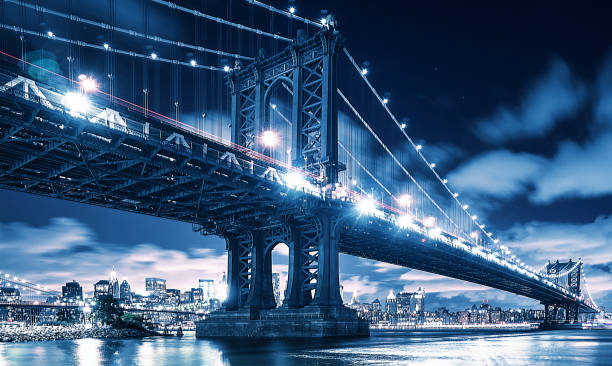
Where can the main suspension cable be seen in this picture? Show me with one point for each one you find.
(220, 20)
(127, 31)
(102, 48)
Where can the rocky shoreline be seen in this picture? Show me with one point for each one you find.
(53, 333)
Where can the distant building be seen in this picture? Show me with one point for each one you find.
(155, 285)
(125, 293)
(114, 284)
(9, 294)
(208, 287)
(186, 297)
(102, 288)
(72, 291)
(417, 301)
(276, 288)
(197, 295)
(391, 305)
(173, 296)
(403, 303)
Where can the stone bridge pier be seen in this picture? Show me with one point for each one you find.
(312, 306)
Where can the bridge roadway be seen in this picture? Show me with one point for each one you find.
(149, 164)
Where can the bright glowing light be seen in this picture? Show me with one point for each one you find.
(193, 62)
(419, 147)
(295, 180)
(154, 56)
(50, 34)
(76, 103)
(435, 232)
(455, 194)
(429, 221)
(404, 221)
(364, 71)
(106, 46)
(404, 200)
(226, 68)
(292, 10)
(366, 206)
(473, 235)
(474, 217)
(82, 77)
(323, 21)
(88, 83)
(402, 126)
(354, 182)
(269, 138)
(444, 181)
(274, 106)
(433, 165)
(385, 100)
(465, 207)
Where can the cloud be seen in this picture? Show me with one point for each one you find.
(67, 249)
(553, 97)
(577, 171)
(360, 285)
(603, 108)
(499, 173)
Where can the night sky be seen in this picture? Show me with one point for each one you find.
(513, 102)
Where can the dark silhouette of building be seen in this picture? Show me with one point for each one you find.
(125, 293)
(102, 288)
(72, 291)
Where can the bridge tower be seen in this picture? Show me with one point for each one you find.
(568, 275)
(308, 70)
(310, 229)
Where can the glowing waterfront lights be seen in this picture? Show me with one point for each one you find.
(402, 126)
(154, 56)
(323, 21)
(444, 181)
(465, 207)
(364, 71)
(193, 63)
(419, 147)
(474, 217)
(269, 138)
(106, 46)
(226, 68)
(50, 34)
(432, 165)
(292, 10)
(385, 100)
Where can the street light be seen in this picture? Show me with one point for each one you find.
(404, 200)
(269, 138)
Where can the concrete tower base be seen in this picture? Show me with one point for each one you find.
(307, 322)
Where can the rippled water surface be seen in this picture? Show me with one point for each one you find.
(428, 348)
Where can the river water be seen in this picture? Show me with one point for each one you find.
(591, 347)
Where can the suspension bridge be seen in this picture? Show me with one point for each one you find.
(298, 147)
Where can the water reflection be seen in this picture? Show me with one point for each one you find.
(423, 348)
(88, 352)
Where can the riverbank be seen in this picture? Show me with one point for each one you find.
(52, 333)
